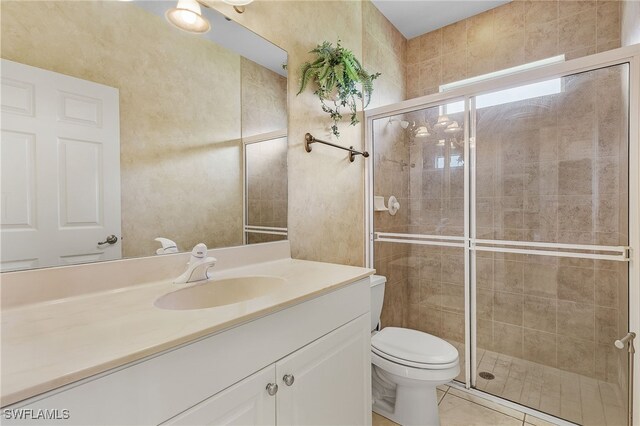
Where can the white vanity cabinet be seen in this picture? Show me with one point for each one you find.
(322, 342)
(326, 382)
(245, 403)
(329, 383)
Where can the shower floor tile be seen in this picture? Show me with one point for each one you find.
(567, 395)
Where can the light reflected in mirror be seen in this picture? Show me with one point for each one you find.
(119, 128)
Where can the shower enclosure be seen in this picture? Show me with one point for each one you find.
(513, 236)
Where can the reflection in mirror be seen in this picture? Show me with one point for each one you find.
(266, 180)
(122, 135)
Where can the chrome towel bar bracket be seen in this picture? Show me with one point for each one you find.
(309, 139)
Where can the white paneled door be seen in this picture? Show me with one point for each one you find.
(60, 169)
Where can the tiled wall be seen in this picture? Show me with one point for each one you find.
(516, 33)
(384, 51)
(391, 177)
(549, 170)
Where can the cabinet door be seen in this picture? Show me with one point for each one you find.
(331, 379)
(245, 403)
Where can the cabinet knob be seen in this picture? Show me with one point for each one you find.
(272, 389)
(288, 379)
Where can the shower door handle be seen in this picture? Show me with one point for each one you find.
(627, 341)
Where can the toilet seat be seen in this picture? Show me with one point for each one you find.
(412, 348)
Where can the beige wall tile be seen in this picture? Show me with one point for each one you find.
(431, 44)
(576, 320)
(572, 7)
(536, 11)
(608, 21)
(540, 347)
(508, 276)
(540, 313)
(576, 355)
(454, 37)
(508, 307)
(454, 66)
(509, 19)
(606, 289)
(481, 56)
(577, 31)
(574, 177)
(509, 51)
(508, 339)
(541, 280)
(576, 284)
(453, 298)
(606, 325)
(480, 28)
(541, 40)
(430, 73)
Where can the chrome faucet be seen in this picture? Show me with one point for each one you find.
(198, 266)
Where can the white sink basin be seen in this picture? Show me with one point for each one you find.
(219, 293)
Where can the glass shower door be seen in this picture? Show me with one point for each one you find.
(549, 226)
(419, 159)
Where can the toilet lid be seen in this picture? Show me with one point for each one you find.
(414, 346)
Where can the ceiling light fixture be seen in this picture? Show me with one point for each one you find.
(238, 5)
(422, 132)
(443, 121)
(187, 16)
(453, 128)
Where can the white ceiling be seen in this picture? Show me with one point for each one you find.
(231, 36)
(416, 17)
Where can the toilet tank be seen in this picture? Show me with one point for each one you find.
(377, 297)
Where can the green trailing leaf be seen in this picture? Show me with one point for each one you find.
(340, 81)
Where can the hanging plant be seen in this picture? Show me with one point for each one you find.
(340, 81)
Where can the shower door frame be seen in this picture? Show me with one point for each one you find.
(628, 54)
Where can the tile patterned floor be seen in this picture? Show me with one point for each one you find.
(579, 399)
(459, 408)
(570, 396)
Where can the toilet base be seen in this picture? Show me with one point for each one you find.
(413, 407)
(406, 400)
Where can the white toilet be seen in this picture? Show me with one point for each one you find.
(407, 367)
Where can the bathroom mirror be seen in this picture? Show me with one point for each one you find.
(118, 128)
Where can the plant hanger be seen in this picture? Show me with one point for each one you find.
(337, 73)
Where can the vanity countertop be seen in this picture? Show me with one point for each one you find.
(49, 344)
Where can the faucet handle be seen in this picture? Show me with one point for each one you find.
(199, 251)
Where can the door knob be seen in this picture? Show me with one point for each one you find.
(272, 389)
(111, 239)
(288, 379)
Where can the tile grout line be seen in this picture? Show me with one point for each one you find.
(489, 408)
